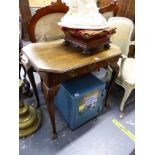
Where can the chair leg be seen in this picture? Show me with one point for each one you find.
(125, 97)
(20, 66)
(31, 78)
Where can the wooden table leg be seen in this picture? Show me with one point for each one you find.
(115, 71)
(49, 94)
(32, 81)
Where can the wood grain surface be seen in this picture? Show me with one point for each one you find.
(58, 58)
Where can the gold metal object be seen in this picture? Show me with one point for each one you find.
(29, 117)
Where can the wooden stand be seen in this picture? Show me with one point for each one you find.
(88, 39)
(56, 63)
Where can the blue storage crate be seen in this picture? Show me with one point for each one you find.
(80, 99)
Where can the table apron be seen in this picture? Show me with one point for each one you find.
(52, 79)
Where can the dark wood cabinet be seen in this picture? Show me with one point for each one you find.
(126, 7)
(25, 14)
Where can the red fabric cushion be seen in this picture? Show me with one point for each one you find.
(89, 33)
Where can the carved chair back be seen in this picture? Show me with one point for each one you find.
(109, 10)
(43, 24)
(122, 37)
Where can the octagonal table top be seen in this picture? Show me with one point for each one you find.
(56, 57)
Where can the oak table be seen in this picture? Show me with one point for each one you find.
(56, 62)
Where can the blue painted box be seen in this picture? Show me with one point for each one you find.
(80, 99)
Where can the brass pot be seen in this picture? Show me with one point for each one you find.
(29, 116)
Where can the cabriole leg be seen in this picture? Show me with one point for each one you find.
(49, 94)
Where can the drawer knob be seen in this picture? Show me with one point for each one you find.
(72, 74)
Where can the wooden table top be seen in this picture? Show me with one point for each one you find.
(58, 58)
